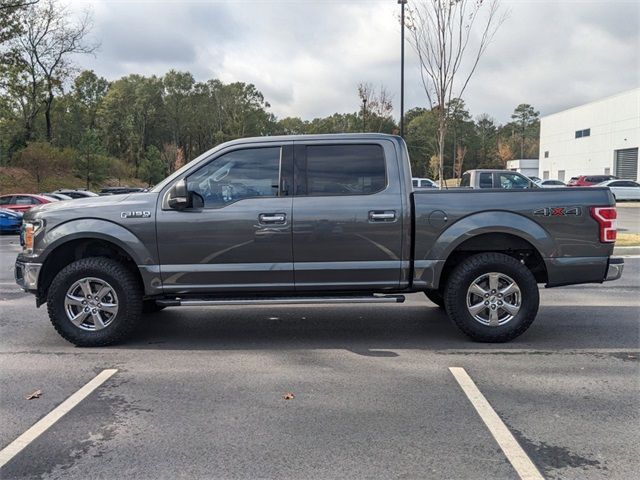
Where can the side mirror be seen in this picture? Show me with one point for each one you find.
(179, 196)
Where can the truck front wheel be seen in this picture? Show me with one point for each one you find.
(492, 297)
(94, 302)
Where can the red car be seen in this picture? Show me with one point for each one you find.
(21, 202)
(588, 180)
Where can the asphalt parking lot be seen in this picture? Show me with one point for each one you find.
(198, 392)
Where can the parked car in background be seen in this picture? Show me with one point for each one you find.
(21, 202)
(423, 183)
(588, 180)
(505, 179)
(10, 221)
(551, 184)
(120, 190)
(623, 189)
(57, 196)
(75, 193)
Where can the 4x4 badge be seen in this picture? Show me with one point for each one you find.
(558, 211)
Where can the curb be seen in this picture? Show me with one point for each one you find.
(626, 250)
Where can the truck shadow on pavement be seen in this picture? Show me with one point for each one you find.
(372, 331)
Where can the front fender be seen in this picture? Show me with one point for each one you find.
(85, 228)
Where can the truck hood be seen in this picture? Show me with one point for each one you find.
(92, 206)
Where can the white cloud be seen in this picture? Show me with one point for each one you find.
(308, 56)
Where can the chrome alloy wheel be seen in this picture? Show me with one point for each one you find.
(493, 299)
(91, 304)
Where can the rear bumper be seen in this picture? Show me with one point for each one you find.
(577, 270)
(614, 271)
(27, 275)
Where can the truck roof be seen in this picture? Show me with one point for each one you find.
(323, 136)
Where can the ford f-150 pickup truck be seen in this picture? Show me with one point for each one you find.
(311, 219)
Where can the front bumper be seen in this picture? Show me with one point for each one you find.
(614, 271)
(27, 275)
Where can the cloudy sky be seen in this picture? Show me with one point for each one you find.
(307, 56)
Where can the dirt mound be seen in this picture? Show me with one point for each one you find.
(16, 180)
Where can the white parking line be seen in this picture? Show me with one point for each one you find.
(52, 417)
(509, 445)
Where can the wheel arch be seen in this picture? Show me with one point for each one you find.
(494, 231)
(508, 243)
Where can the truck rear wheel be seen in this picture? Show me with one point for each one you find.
(94, 302)
(492, 297)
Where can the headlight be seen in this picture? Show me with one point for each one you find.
(29, 230)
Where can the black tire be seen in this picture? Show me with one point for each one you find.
(129, 300)
(464, 275)
(436, 297)
(150, 306)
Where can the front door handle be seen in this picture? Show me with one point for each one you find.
(272, 218)
(382, 215)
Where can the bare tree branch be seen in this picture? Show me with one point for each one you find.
(442, 34)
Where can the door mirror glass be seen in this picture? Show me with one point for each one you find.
(179, 196)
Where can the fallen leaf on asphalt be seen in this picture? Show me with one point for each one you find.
(288, 396)
(35, 394)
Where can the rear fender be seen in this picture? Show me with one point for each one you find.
(493, 222)
(429, 266)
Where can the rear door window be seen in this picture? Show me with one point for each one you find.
(344, 170)
(486, 180)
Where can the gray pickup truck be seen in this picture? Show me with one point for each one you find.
(311, 219)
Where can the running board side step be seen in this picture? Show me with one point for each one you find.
(208, 302)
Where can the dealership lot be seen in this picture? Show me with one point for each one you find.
(198, 392)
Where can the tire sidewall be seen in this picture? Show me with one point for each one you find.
(470, 270)
(116, 275)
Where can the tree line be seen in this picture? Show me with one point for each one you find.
(56, 119)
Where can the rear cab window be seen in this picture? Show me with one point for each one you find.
(512, 181)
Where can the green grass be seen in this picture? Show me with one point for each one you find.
(628, 240)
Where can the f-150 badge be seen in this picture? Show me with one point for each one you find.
(136, 214)
(558, 211)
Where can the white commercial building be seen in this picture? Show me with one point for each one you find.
(599, 138)
(525, 166)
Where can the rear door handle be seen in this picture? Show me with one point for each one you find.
(272, 218)
(382, 215)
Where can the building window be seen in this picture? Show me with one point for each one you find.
(561, 175)
(583, 133)
(607, 171)
(546, 154)
(545, 175)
